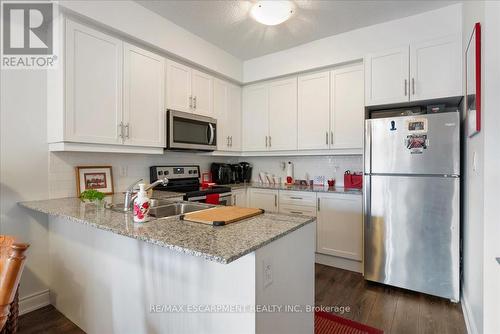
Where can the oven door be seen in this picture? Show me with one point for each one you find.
(225, 199)
(191, 132)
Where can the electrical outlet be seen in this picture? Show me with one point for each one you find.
(267, 272)
(123, 171)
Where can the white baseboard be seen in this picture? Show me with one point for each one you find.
(469, 319)
(34, 301)
(338, 262)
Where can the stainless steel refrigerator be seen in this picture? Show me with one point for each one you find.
(412, 203)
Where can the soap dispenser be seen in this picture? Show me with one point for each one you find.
(141, 205)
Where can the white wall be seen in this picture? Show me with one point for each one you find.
(24, 169)
(355, 44)
(140, 23)
(306, 167)
(491, 123)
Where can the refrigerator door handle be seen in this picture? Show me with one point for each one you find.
(366, 214)
(367, 148)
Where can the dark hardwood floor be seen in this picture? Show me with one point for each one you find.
(390, 309)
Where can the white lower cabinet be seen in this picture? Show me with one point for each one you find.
(340, 225)
(266, 199)
(240, 197)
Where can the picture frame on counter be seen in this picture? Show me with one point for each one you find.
(98, 178)
(473, 81)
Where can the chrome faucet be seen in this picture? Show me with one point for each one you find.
(129, 197)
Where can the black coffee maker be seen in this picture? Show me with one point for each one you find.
(246, 172)
(237, 173)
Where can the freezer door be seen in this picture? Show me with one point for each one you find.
(425, 144)
(411, 233)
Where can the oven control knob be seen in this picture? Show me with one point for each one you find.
(166, 172)
(160, 172)
(190, 172)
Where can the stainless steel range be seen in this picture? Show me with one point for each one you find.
(186, 179)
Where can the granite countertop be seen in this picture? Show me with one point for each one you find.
(296, 188)
(222, 244)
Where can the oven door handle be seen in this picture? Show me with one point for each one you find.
(196, 199)
(212, 134)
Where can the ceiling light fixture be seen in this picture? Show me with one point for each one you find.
(272, 12)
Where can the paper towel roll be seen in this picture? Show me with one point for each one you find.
(289, 170)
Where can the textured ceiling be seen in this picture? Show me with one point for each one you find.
(227, 23)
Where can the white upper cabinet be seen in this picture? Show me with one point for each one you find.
(386, 77)
(422, 71)
(202, 92)
(178, 87)
(227, 109)
(347, 108)
(93, 80)
(255, 117)
(283, 115)
(143, 96)
(314, 111)
(435, 69)
(189, 90)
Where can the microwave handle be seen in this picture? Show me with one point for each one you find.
(212, 134)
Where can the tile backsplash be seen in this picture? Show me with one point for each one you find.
(307, 167)
(129, 167)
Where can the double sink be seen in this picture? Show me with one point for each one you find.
(162, 208)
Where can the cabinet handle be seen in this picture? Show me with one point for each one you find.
(121, 130)
(319, 205)
(331, 137)
(292, 197)
(275, 201)
(227, 141)
(270, 141)
(413, 86)
(266, 141)
(190, 101)
(406, 87)
(297, 212)
(326, 137)
(194, 102)
(234, 199)
(127, 133)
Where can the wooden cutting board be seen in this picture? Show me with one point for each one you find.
(221, 215)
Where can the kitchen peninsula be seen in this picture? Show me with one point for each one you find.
(108, 274)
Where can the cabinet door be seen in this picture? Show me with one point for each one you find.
(386, 75)
(94, 68)
(234, 118)
(178, 87)
(255, 117)
(143, 97)
(240, 197)
(283, 115)
(221, 110)
(266, 199)
(314, 111)
(435, 69)
(202, 91)
(347, 111)
(339, 229)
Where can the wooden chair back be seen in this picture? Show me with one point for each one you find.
(12, 261)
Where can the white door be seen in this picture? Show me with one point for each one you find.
(234, 118)
(386, 75)
(178, 87)
(347, 110)
(93, 70)
(221, 110)
(240, 197)
(266, 199)
(314, 111)
(283, 115)
(143, 97)
(202, 91)
(435, 69)
(339, 229)
(255, 118)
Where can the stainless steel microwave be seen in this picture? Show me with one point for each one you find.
(187, 131)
